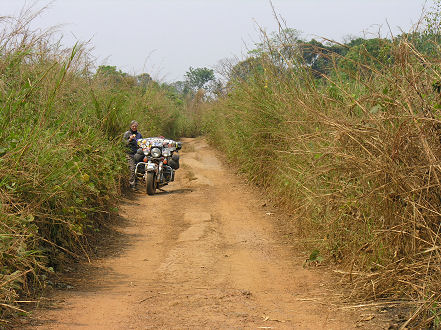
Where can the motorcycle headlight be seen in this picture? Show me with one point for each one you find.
(146, 151)
(156, 152)
(166, 152)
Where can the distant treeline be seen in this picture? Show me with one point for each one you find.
(287, 50)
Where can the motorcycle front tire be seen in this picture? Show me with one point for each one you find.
(151, 183)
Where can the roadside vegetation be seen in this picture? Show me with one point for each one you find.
(61, 158)
(347, 137)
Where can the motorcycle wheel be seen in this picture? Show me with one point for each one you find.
(150, 183)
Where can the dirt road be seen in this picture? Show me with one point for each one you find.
(203, 254)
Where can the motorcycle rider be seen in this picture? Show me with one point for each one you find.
(130, 140)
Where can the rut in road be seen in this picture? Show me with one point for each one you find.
(203, 254)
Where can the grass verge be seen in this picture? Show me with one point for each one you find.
(352, 148)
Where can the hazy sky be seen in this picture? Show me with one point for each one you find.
(166, 37)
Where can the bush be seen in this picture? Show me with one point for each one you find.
(61, 157)
(355, 156)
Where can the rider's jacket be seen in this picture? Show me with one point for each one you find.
(132, 146)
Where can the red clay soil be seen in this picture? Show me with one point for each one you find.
(204, 254)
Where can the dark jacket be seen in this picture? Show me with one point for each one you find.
(132, 146)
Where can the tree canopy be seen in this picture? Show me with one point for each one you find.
(198, 78)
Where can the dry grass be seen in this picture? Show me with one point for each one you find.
(61, 160)
(356, 156)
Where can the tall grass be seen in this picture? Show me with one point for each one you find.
(61, 158)
(354, 155)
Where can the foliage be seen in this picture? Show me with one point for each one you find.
(61, 160)
(433, 20)
(346, 137)
(143, 80)
(199, 78)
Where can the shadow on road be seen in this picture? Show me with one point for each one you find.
(165, 192)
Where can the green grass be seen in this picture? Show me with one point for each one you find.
(62, 164)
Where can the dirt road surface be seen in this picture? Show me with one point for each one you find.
(205, 254)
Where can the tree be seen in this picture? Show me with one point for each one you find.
(111, 74)
(143, 79)
(109, 70)
(199, 78)
(182, 87)
(365, 55)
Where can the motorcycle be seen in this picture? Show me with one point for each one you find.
(156, 162)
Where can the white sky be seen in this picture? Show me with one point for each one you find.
(166, 37)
